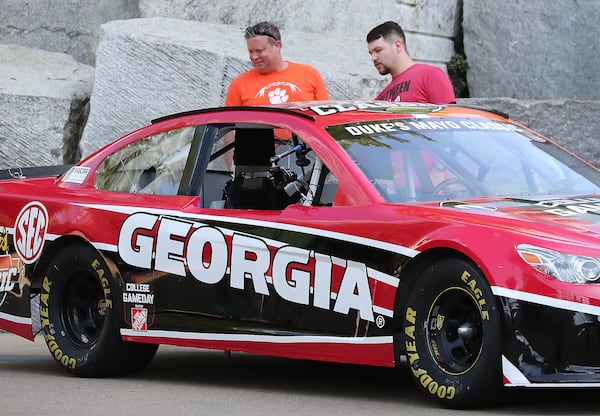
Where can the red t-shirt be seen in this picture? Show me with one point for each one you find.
(298, 82)
(420, 83)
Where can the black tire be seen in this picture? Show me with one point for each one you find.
(452, 336)
(81, 310)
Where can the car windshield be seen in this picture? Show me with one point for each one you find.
(437, 159)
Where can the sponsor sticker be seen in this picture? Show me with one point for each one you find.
(4, 240)
(76, 174)
(30, 231)
(9, 272)
(139, 319)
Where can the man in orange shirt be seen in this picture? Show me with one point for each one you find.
(273, 80)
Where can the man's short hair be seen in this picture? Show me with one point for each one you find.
(386, 30)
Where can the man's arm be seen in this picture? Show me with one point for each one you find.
(233, 96)
(320, 89)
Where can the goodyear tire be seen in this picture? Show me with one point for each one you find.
(80, 313)
(452, 335)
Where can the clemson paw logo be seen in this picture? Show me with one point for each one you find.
(278, 96)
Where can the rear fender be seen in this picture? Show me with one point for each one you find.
(15, 289)
(19, 283)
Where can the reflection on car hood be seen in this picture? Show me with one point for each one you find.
(573, 212)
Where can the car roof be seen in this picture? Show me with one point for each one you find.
(333, 112)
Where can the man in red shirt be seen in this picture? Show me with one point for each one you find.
(411, 82)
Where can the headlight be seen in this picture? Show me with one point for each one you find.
(561, 266)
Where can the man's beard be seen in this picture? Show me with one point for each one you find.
(384, 70)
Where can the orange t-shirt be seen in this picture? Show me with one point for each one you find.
(298, 82)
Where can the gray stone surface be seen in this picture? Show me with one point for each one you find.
(571, 123)
(531, 49)
(29, 71)
(66, 26)
(151, 67)
(430, 24)
(39, 91)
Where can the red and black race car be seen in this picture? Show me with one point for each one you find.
(447, 239)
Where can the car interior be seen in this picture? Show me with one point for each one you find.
(254, 184)
(265, 172)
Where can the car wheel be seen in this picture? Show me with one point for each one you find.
(452, 335)
(80, 313)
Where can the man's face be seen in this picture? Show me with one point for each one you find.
(264, 53)
(383, 54)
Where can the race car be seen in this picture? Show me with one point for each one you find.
(449, 240)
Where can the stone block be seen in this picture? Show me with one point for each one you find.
(351, 18)
(430, 25)
(66, 26)
(42, 106)
(530, 50)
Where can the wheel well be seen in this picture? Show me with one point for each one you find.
(51, 250)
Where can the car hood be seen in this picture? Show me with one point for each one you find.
(575, 213)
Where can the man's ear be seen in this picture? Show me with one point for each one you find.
(398, 45)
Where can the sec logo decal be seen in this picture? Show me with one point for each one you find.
(30, 230)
